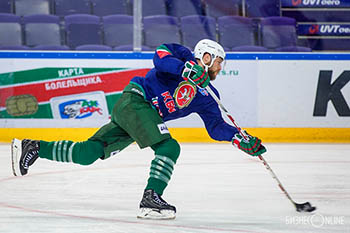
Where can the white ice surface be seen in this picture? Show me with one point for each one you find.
(215, 188)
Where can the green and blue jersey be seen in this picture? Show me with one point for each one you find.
(174, 97)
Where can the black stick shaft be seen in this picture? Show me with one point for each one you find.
(267, 166)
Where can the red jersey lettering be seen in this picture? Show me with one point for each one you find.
(170, 106)
(169, 102)
(166, 96)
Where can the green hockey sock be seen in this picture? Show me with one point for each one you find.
(162, 166)
(84, 153)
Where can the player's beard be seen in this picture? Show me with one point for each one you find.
(212, 74)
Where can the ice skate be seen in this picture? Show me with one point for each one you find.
(152, 206)
(23, 154)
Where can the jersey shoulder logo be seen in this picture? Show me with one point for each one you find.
(184, 94)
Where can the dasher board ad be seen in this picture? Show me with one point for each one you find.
(32, 88)
(91, 105)
(304, 94)
(258, 89)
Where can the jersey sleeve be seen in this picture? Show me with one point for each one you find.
(216, 126)
(170, 58)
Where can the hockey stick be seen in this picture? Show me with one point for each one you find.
(304, 207)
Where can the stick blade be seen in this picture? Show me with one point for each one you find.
(305, 207)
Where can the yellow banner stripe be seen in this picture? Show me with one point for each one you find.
(193, 135)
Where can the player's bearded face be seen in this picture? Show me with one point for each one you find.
(214, 70)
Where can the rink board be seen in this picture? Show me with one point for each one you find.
(191, 135)
(282, 97)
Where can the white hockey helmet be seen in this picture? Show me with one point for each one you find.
(211, 47)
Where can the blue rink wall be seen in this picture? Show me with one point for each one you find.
(280, 97)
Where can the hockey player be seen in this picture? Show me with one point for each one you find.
(174, 88)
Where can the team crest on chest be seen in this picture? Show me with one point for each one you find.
(184, 94)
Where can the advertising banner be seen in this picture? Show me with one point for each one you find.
(304, 94)
(259, 90)
(324, 30)
(49, 92)
(315, 4)
(91, 105)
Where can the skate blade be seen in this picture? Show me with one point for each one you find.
(16, 151)
(148, 213)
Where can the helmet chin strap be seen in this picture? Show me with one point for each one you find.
(206, 67)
